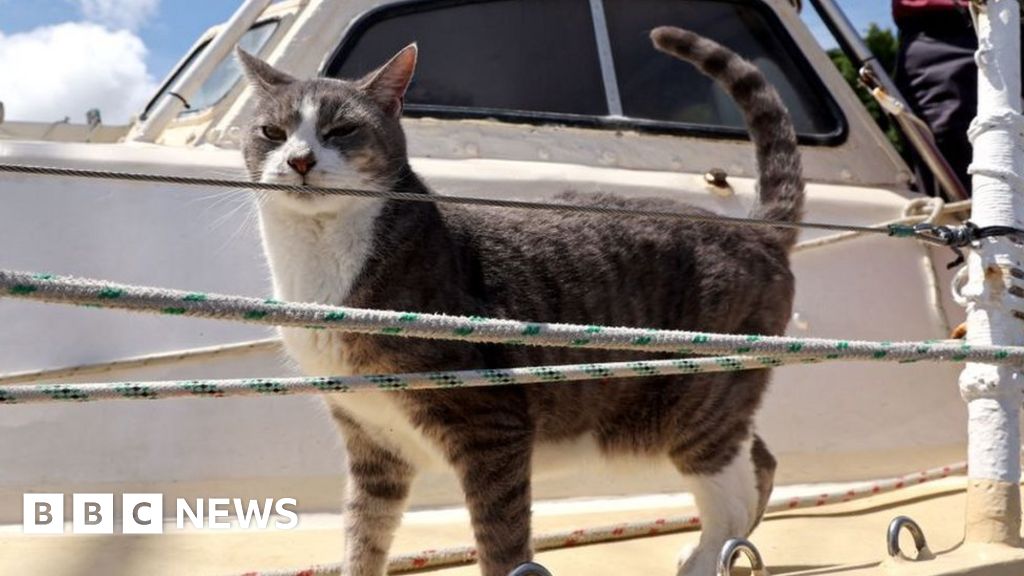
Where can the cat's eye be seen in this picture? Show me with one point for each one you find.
(274, 133)
(341, 131)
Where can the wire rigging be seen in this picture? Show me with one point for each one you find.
(434, 198)
(955, 237)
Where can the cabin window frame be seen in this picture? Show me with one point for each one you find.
(615, 120)
(186, 113)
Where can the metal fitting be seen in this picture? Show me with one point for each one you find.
(734, 548)
(530, 569)
(893, 539)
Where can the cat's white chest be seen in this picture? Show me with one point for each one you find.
(317, 259)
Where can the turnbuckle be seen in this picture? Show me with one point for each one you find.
(953, 237)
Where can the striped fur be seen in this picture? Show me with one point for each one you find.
(560, 267)
(780, 174)
(375, 496)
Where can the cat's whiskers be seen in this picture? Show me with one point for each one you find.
(243, 202)
(220, 195)
(218, 200)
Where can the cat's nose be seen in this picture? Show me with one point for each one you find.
(302, 163)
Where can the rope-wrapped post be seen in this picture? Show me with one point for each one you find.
(994, 292)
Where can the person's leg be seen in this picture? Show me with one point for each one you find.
(937, 74)
(923, 180)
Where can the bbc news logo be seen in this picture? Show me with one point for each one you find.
(144, 513)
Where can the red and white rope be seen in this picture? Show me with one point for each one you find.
(459, 555)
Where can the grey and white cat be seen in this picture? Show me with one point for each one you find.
(557, 267)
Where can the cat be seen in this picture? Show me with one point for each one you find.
(551, 266)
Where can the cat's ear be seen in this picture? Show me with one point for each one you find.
(263, 76)
(387, 84)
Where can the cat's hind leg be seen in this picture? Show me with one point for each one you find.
(731, 501)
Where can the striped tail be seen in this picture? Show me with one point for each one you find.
(780, 176)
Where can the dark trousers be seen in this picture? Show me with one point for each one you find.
(936, 73)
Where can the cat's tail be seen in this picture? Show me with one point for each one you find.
(780, 176)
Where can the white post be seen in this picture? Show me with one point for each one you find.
(995, 287)
(170, 106)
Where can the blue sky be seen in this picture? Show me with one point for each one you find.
(129, 46)
(167, 33)
(861, 12)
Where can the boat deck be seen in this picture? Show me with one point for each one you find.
(835, 539)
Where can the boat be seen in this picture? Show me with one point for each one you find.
(490, 117)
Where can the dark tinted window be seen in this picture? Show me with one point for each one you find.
(507, 55)
(657, 87)
(537, 61)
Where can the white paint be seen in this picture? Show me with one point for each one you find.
(728, 509)
(994, 393)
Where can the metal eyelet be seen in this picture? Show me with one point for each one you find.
(734, 548)
(530, 569)
(893, 539)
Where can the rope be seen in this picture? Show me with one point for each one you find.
(84, 292)
(162, 390)
(936, 306)
(566, 539)
(848, 231)
(954, 237)
(438, 199)
(936, 207)
(785, 350)
(146, 361)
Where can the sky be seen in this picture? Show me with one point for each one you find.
(59, 58)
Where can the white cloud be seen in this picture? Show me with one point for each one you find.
(63, 70)
(119, 14)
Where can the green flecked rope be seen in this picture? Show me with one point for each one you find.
(97, 293)
(41, 393)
